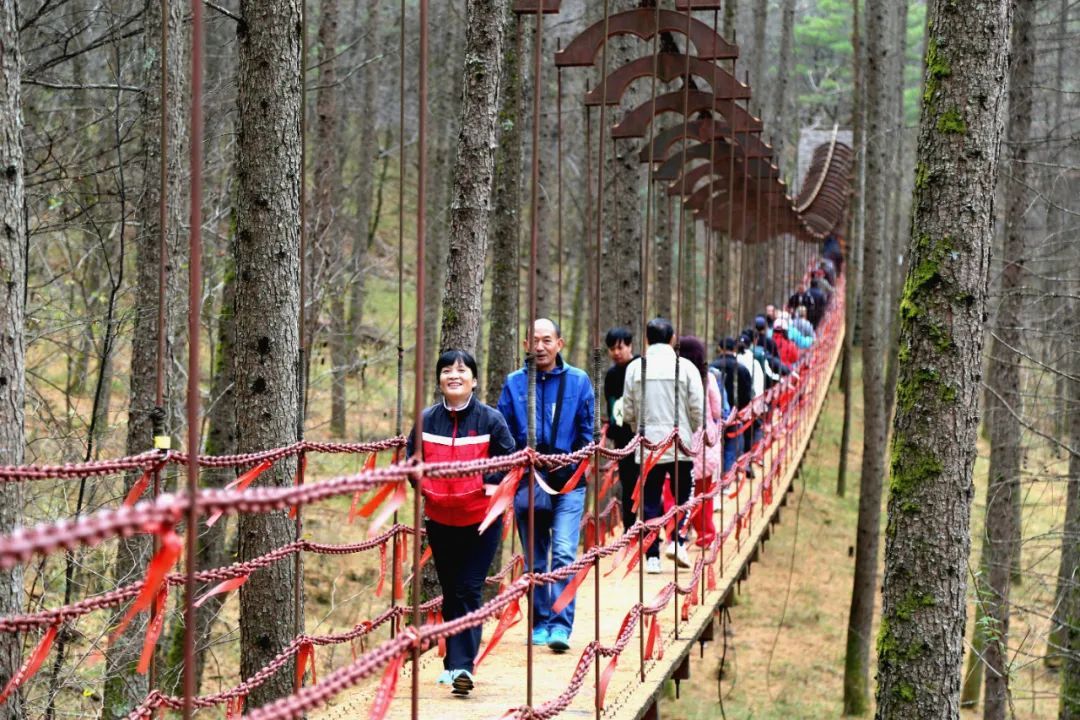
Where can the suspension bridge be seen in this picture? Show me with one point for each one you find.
(633, 631)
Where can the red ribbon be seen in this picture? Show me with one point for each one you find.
(241, 483)
(299, 480)
(649, 539)
(509, 618)
(160, 565)
(153, 632)
(590, 533)
(372, 504)
(576, 477)
(570, 591)
(605, 680)
(434, 617)
(234, 708)
(304, 658)
(620, 555)
(654, 646)
(32, 663)
(388, 510)
(387, 686)
(502, 497)
(382, 570)
(710, 578)
(138, 489)
(609, 479)
(425, 556)
(402, 543)
(223, 587)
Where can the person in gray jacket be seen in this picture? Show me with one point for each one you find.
(667, 377)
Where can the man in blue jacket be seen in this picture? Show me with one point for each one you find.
(564, 423)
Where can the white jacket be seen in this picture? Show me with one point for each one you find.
(757, 375)
(660, 384)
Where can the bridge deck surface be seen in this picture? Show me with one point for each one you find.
(501, 678)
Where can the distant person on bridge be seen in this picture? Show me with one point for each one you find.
(709, 460)
(667, 374)
(564, 423)
(460, 428)
(738, 384)
(620, 346)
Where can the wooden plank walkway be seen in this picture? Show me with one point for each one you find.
(501, 679)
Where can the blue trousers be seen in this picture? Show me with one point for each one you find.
(462, 559)
(653, 500)
(556, 534)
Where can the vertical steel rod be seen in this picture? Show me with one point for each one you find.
(194, 312)
(418, 392)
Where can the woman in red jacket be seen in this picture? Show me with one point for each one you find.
(460, 428)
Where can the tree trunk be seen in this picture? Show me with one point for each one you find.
(784, 65)
(757, 58)
(1068, 616)
(686, 312)
(623, 220)
(506, 219)
(369, 146)
(474, 172)
(124, 688)
(327, 230)
(12, 347)
(1004, 404)
(875, 274)
(920, 644)
(662, 255)
(267, 306)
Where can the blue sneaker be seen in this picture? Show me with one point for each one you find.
(559, 640)
(540, 636)
(462, 682)
(446, 678)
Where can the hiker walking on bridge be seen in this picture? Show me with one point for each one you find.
(667, 374)
(564, 423)
(459, 428)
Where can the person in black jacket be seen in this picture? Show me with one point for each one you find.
(460, 428)
(738, 384)
(620, 345)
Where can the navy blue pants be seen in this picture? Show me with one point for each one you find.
(654, 496)
(462, 559)
(628, 478)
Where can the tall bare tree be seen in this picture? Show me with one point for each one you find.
(505, 222)
(124, 688)
(874, 273)
(12, 347)
(369, 147)
(474, 171)
(328, 234)
(1004, 402)
(920, 643)
(267, 307)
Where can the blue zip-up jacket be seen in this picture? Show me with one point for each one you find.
(575, 429)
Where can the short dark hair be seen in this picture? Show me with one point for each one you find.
(727, 343)
(659, 330)
(618, 335)
(450, 357)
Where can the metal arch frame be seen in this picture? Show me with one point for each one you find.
(668, 67)
(635, 121)
(644, 23)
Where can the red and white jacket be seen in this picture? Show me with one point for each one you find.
(474, 432)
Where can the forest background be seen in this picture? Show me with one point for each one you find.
(86, 139)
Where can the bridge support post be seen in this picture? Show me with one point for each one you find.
(653, 711)
(682, 672)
